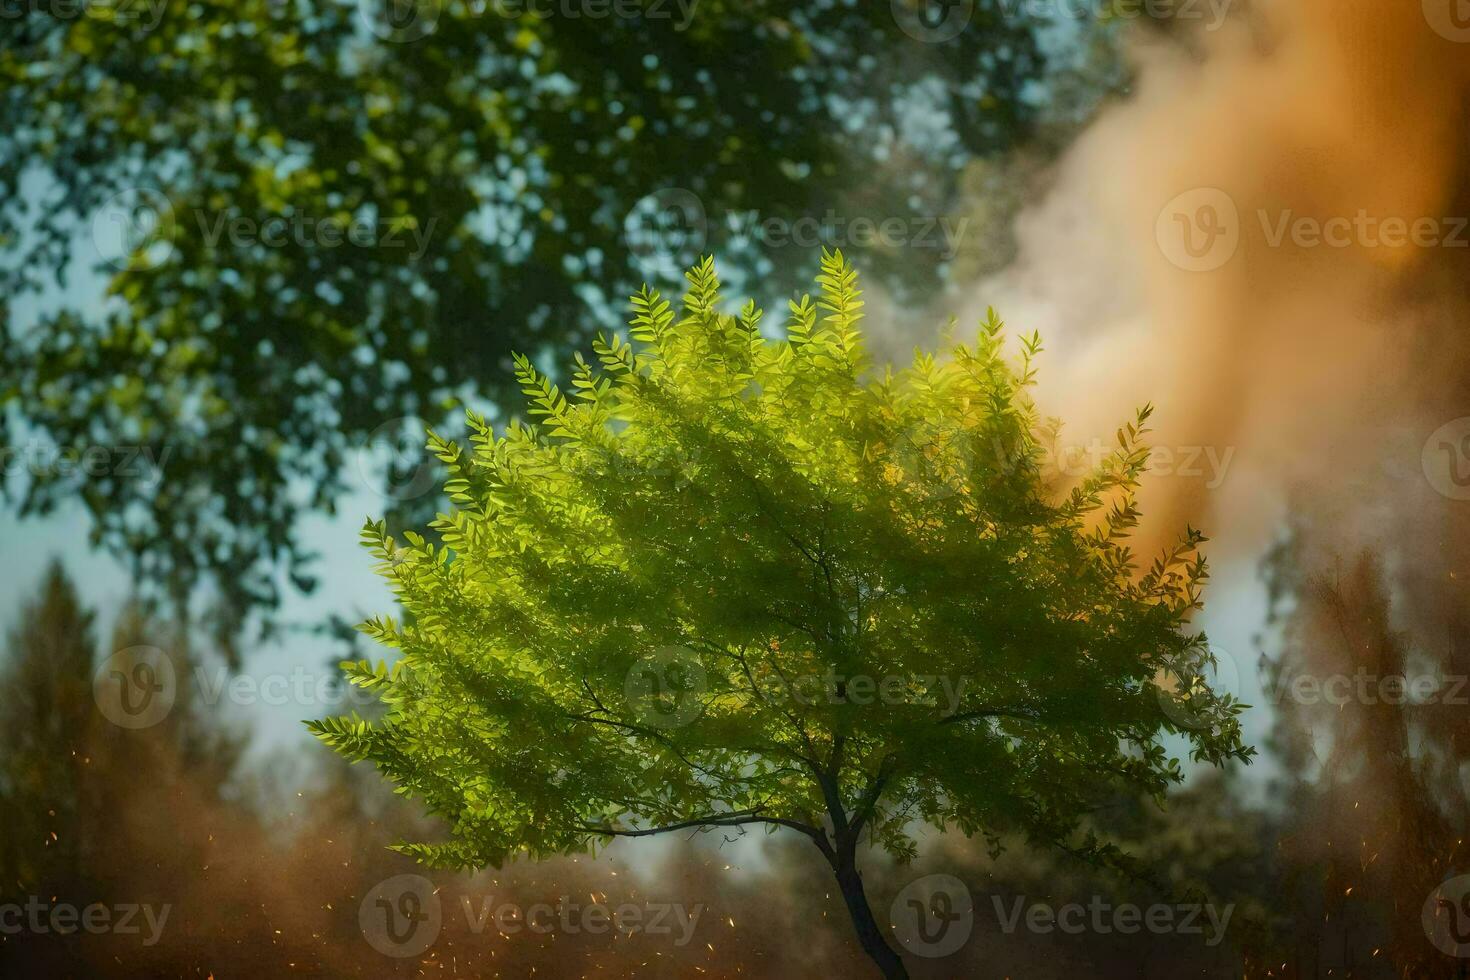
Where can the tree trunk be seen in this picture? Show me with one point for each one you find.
(869, 933)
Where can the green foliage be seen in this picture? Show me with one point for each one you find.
(494, 159)
(668, 601)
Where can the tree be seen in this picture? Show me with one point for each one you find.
(1368, 739)
(735, 582)
(472, 165)
(65, 765)
(46, 726)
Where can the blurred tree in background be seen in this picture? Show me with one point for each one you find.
(46, 725)
(1374, 804)
(486, 160)
(71, 782)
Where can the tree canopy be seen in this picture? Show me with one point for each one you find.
(737, 581)
(332, 216)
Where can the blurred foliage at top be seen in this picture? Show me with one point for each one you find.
(330, 215)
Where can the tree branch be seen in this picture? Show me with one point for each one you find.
(735, 818)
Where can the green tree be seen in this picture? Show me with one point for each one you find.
(494, 155)
(736, 582)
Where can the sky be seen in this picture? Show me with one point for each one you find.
(347, 586)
